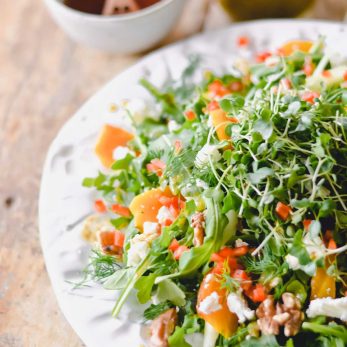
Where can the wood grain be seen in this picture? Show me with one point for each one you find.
(44, 78)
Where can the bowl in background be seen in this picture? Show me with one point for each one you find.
(123, 33)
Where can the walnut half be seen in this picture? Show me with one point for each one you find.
(288, 314)
(198, 224)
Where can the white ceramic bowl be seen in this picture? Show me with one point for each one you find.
(126, 33)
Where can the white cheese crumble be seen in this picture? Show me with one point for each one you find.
(210, 304)
(314, 246)
(150, 228)
(201, 184)
(293, 262)
(138, 250)
(238, 305)
(206, 152)
(173, 126)
(140, 109)
(240, 243)
(121, 152)
(336, 308)
(164, 214)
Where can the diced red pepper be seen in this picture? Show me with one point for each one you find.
(174, 245)
(326, 73)
(309, 96)
(178, 146)
(179, 251)
(156, 166)
(100, 206)
(332, 244)
(308, 67)
(261, 57)
(243, 41)
(213, 105)
(190, 115)
(119, 238)
(121, 210)
(307, 223)
(236, 86)
(243, 278)
(285, 82)
(217, 258)
(258, 293)
(345, 76)
(217, 89)
(283, 211)
(233, 252)
(111, 241)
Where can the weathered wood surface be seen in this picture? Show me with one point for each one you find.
(44, 78)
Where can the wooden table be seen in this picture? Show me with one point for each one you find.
(44, 78)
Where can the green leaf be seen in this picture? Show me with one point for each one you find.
(177, 338)
(122, 164)
(259, 175)
(120, 223)
(263, 341)
(144, 286)
(298, 289)
(232, 103)
(169, 291)
(119, 279)
(153, 311)
(327, 330)
(264, 128)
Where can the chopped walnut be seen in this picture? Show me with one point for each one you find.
(198, 224)
(292, 306)
(162, 327)
(288, 314)
(265, 313)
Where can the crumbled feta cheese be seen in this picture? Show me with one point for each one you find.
(210, 304)
(201, 184)
(330, 307)
(293, 262)
(238, 305)
(240, 243)
(138, 250)
(206, 152)
(173, 126)
(164, 214)
(314, 246)
(121, 152)
(150, 228)
(141, 109)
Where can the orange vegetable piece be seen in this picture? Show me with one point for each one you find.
(233, 252)
(295, 45)
(262, 56)
(145, 206)
(110, 137)
(111, 242)
(307, 223)
(322, 285)
(100, 206)
(243, 278)
(309, 96)
(179, 251)
(217, 89)
(174, 245)
(223, 321)
(121, 210)
(220, 121)
(258, 293)
(243, 41)
(283, 211)
(190, 115)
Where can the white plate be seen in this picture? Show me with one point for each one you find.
(64, 202)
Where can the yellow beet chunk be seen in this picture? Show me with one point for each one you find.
(322, 284)
(295, 45)
(220, 121)
(145, 206)
(110, 138)
(222, 320)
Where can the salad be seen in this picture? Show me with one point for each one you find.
(224, 207)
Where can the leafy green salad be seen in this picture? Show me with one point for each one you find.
(224, 207)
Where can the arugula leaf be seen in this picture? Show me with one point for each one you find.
(169, 291)
(153, 311)
(119, 279)
(144, 286)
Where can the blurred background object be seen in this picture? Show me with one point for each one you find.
(44, 78)
(257, 9)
